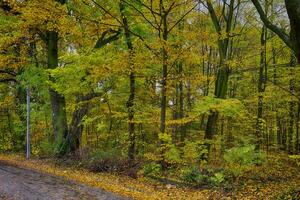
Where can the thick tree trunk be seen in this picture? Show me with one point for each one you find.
(76, 128)
(223, 69)
(58, 102)
(293, 10)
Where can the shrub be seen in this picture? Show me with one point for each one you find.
(194, 176)
(107, 161)
(152, 169)
(194, 153)
(46, 148)
(217, 179)
(239, 159)
(290, 194)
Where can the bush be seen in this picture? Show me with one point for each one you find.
(198, 177)
(217, 179)
(290, 194)
(46, 148)
(152, 169)
(245, 155)
(195, 153)
(194, 176)
(107, 161)
(239, 159)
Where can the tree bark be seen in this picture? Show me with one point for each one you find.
(58, 102)
(223, 69)
(292, 40)
(291, 110)
(261, 88)
(163, 103)
(131, 98)
(297, 145)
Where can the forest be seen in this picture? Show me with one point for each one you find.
(185, 96)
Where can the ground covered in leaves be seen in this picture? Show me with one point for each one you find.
(278, 178)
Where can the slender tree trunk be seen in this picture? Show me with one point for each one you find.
(261, 88)
(163, 103)
(28, 123)
(131, 98)
(297, 146)
(284, 135)
(279, 130)
(182, 129)
(291, 111)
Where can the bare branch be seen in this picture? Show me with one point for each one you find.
(182, 17)
(141, 13)
(278, 31)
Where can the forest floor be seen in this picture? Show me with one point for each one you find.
(277, 179)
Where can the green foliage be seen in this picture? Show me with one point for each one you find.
(240, 159)
(47, 148)
(289, 194)
(152, 169)
(195, 153)
(110, 160)
(296, 158)
(217, 179)
(245, 155)
(171, 153)
(226, 107)
(194, 176)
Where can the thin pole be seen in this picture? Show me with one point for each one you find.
(28, 123)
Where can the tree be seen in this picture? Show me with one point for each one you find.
(224, 55)
(292, 40)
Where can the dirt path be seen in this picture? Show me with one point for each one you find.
(23, 184)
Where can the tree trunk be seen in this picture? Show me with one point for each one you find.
(291, 111)
(131, 98)
(223, 69)
(284, 135)
(76, 129)
(293, 10)
(261, 88)
(297, 145)
(58, 102)
(279, 130)
(163, 103)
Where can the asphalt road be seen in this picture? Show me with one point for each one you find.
(23, 184)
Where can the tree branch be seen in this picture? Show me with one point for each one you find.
(278, 31)
(102, 41)
(6, 80)
(2, 71)
(182, 17)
